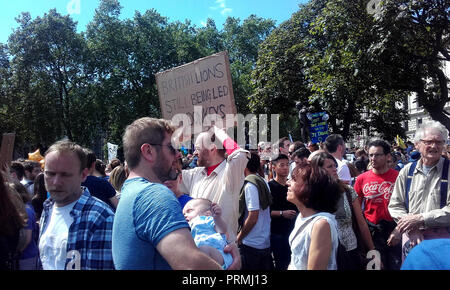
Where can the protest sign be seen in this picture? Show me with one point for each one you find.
(112, 151)
(318, 126)
(6, 151)
(204, 84)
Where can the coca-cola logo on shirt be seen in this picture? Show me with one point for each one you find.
(374, 189)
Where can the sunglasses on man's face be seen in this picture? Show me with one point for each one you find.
(171, 148)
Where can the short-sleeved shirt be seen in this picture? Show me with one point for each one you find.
(89, 234)
(259, 236)
(147, 212)
(280, 226)
(343, 171)
(376, 191)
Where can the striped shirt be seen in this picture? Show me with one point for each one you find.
(90, 235)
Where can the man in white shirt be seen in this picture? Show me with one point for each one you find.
(217, 178)
(335, 145)
(254, 208)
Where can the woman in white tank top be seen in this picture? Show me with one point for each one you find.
(314, 239)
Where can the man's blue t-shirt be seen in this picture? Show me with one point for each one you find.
(146, 213)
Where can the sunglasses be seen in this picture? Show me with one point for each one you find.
(171, 148)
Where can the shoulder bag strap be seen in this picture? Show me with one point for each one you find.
(408, 183)
(355, 225)
(302, 228)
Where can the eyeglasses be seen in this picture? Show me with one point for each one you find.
(376, 155)
(171, 148)
(431, 142)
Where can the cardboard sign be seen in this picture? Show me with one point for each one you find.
(6, 151)
(318, 127)
(204, 83)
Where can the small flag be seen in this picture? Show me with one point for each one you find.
(400, 143)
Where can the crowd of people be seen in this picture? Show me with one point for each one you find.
(286, 205)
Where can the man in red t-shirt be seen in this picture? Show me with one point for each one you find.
(374, 188)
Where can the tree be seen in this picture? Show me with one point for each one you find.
(413, 45)
(143, 46)
(278, 76)
(6, 114)
(319, 58)
(242, 42)
(49, 79)
(340, 75)
(210, 38)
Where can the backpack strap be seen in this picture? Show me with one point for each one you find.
(408, 184)
(444, 183)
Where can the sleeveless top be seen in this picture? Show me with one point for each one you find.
(300, 240)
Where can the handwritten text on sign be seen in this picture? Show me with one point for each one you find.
(205, 82)
(318, 127)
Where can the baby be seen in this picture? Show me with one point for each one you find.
(208, 229)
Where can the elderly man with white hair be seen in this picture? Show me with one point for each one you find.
(420, 202)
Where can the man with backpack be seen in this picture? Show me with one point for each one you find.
(420, 201)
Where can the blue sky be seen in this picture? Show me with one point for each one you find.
(195, 10)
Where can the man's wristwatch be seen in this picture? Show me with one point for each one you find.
(281, 213)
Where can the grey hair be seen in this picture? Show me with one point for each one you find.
(430, 125)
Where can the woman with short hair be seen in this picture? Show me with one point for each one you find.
(314, 239)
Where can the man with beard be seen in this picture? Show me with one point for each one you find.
(217, 178)
(150, 231)
(420, 203)
(374, 188)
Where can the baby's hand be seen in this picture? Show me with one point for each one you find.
(216, 210)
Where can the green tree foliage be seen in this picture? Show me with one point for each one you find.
(278, 77)
(331, 55)
(242, 42)
(55, 82)
(49, 80)
(319, 57)
(412, 47)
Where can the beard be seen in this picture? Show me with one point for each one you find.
(163, 173)
(201, 162)
(166, 174)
